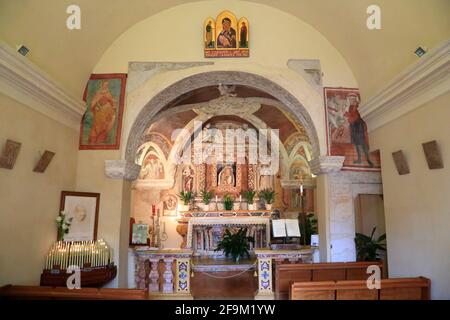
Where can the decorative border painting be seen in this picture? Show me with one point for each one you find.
(102, 121)
(226, 37)
(83, 208)
(347, 132)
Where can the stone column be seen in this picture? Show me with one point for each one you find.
(168, 276)
(154, 275)
(183, 275)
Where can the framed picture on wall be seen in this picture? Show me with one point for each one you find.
(83, 208)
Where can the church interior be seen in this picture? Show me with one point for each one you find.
(217, 149)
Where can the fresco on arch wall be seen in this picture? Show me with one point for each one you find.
(102, 121)
(347, 131)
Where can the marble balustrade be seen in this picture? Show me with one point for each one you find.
(265, 257)
(175, 278)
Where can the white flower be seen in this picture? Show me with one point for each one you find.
(58, 219)
(65, 226)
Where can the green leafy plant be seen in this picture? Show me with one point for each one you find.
(62, 225)
(186, 197)
(308, 227)
(249, 195)
(367, 247)
(228, 202)
(235, 244)
(268, 195)
(206, 196)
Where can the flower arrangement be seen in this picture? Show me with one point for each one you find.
(186, 197)
(63, 225)
(269, 196)
(206, 196)
(228, 202)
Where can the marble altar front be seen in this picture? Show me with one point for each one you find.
(204, 233)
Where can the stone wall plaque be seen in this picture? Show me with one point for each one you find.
(433, 155)
(400, 162)
(45, 160)
(9, 154)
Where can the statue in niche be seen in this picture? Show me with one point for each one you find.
(226, 176)
(188, 179)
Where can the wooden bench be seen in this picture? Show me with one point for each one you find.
(286, 273)
(63, 293)
(391, 289)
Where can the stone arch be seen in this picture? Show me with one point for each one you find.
(288, 102)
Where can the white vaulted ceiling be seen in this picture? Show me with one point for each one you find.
(374, 57)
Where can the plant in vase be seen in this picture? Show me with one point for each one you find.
(228, 202)
(367, 247)
(235, 244)
(206, 198)
(186, 197)
(63, 225)
(308, 226)
(249, 195)
(269, 197)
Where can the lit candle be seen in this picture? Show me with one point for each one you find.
(240, 198)
(216, 198)
(153, 210)
(301, 189)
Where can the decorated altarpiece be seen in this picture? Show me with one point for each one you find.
(226, 36)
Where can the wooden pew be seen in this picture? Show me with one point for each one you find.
(63, 293)
(285, 273)
(391, 289)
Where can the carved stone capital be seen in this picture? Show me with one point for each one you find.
(121, 169)
(326, 164)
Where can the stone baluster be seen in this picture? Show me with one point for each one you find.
(154, 275)
(139, 273)
(168, 276)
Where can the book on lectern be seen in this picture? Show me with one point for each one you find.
(285, 228)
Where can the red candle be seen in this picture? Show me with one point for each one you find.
(153, 209)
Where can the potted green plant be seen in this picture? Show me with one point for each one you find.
(249, 195)
(269, 197)
(228, 202)
(186, 197)
(206, 198)
(367, 247)
(307, 228)
(235, 244)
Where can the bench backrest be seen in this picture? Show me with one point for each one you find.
(391, 289)
(287, 273)
(62, 293)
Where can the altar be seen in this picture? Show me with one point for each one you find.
(204, 233)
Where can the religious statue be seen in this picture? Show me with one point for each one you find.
(227, 37)
(103, 107)
(226, 176)
(188, 179)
